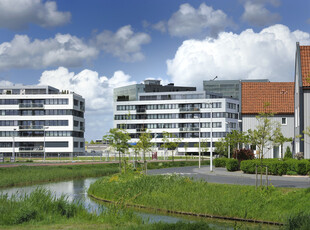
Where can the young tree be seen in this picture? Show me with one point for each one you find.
(174, 144)
(166, 141)
(92, 142)
(263, 136)
(118, 139)
(186, 145)
(144, 144)
(221, 147)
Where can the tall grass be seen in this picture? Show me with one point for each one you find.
(25, 175)
(184, 194)
(43, 208)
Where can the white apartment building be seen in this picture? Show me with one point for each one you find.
(38, 119)
(186, 114)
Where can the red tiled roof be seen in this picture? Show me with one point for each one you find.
(305, 65)
(279, 96)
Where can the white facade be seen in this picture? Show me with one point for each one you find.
(180, 114)
(287, 125)
(38, 118)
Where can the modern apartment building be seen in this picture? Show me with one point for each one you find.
(269, 97)
(40, 119)
(302, 99)
(187, 114)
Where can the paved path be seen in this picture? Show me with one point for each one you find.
(222, 176)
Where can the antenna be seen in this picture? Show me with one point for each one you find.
(214, 78)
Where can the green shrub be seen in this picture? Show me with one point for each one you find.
(249, 166)
(288, 153)
(232, 165)
(301, 167)
(220, 162)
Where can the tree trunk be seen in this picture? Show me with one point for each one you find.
(119, 161)
(145, 169)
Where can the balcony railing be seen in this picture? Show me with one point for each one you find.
(189, 129)
(140, 130)
(189, 109)
(82, 128)
(141, 110)
(31, 127)
(30, 149)
(31, 106)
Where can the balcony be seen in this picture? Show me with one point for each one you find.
(30, 149)
(82, 128)
(189, 129)
(31, 127)
(141, 130)
(189, 109)
(31, 106)
(141, 110)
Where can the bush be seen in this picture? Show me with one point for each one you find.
(243, 154)
(291, 173)
(220, 162)
(288, 153)
(232, 165)
(301, 167)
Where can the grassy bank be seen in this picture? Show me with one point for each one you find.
(183, 194)
(42, 210)
(26, 175)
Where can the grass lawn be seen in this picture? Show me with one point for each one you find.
(184, 194)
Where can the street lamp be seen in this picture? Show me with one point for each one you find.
(228, 129)
(44, 128)
(199, 164)
(211, 140)
(13, 150)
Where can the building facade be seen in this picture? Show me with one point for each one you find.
(188, 115)
(302, 99)
(40, 119)
(269, 97)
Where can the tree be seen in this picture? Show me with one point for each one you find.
(166, 141)
(235, 137)
(186, 145)
(307, 131)
(221, 147)
(92, 142)
(263, 136)
(170, 141)
(118, 139)
(145, 145)
(203, 146)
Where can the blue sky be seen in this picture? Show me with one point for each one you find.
(90, 47)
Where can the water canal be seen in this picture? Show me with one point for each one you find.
(76, 191)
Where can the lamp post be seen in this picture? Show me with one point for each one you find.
(44, 128)
(211, 140)
(199, 159)
(13, 146)
(228, 129)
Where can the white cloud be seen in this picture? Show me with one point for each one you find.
(160, 26)
(17, 14)
(255, 13)
(97, 91)
(124, 43)
(188, 21)
(62, 50)
(267, 54)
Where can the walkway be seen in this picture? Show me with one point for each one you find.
(222, 176)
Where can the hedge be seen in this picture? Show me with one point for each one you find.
(220, 162)
(232, 165)
(277, 166)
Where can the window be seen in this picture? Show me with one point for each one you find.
(76, 144)
(284, 121)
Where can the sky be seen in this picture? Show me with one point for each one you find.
(91, 47)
